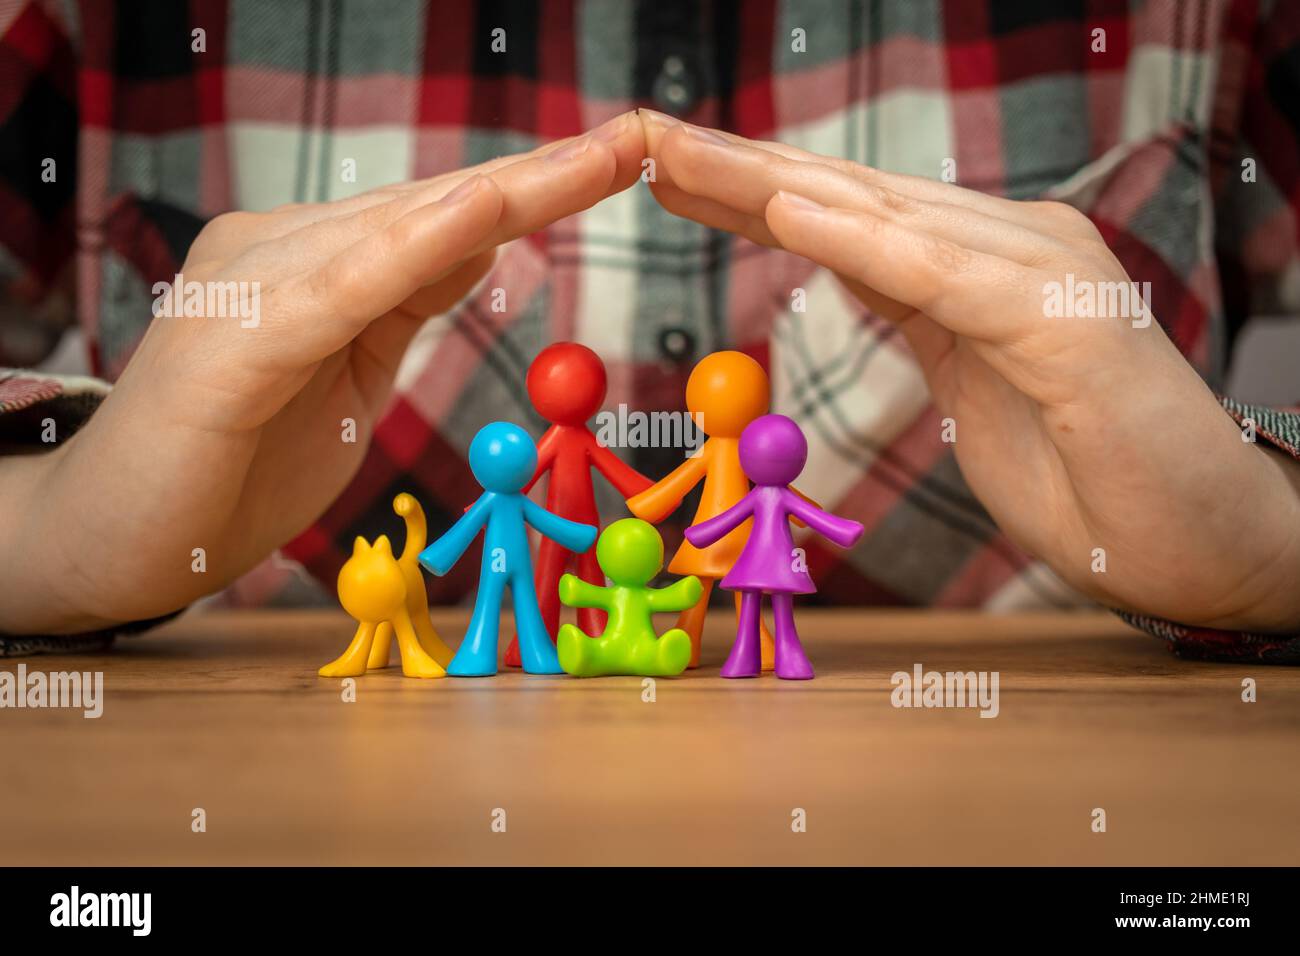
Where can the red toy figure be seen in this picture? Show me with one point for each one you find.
(567, 385)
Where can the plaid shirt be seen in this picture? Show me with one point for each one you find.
(1139, 114)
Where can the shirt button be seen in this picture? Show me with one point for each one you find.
(676, 344)
(675, 88)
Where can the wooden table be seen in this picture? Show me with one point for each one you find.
(224, 712)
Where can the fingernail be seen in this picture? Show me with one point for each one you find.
(662, 120)
(462, 191)
(803, 202)
(705, 136)
(570, 150)
(611, 130)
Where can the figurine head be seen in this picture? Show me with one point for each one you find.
(566, 383)
(371, 584)
(630, 552)
(503, 457)
(726, 391)
(773, 450)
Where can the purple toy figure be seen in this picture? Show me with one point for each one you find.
(772, 453)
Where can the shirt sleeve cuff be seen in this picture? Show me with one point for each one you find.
(31, 401)
(26, 645)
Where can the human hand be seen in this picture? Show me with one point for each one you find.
(226, 436)
(1076, 434)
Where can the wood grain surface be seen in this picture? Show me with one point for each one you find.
(224, 711)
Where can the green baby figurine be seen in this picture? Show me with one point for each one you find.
(630, 552)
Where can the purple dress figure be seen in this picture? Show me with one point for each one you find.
(772, 453)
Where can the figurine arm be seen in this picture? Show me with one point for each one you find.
(719, 526)
(660, 500)
(811, 501)
(617, 472)
(575, 592)
(678, 596)
(570, 534)
(441, 556)
(545, 458)
(841, 531)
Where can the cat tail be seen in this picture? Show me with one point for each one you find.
(416, 527)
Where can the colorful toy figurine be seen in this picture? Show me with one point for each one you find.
(566, 383)
(631, 553)
(726, 391)
(385, 594)
(502, 458)
(773, 451)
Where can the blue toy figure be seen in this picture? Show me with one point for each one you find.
(503, 459)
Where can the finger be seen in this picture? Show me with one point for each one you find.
(679, 150)
(331, 304)
(535, 193)
(968, 292)
(959, 224)
(623, 136)
(679, 202)
(437, 298)
(745, 179)
(292, 217)
(929, 340)
(560, 184)
(376, 352)
(713, 214)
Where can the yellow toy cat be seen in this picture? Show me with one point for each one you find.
(386, 594)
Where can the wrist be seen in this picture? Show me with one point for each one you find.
(35, 567)
(1269, 589)
(98, 535)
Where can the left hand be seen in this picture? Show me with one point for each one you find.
(1074, 433)
(225, 439)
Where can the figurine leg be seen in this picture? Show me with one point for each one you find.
(673, 653)
(551, 561)
(591, 619)
(764, 637)
(379, 649)
(477, 656)
(417, 598)
(535, 648)
(417, 606)
(576, 652)
(428, 637)
(746, 659)
(692, 620)
(791, 661)
(415, 662)
(352, 662)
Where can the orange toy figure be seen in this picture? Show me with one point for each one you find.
(384, 593)
(566, 383)
(726, 391)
